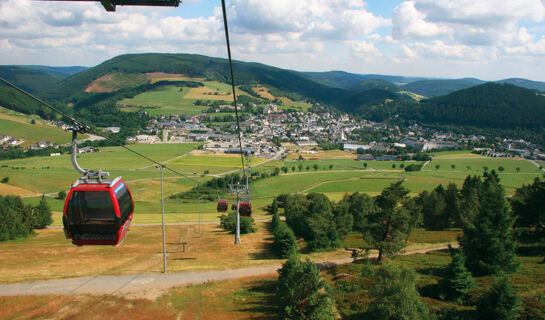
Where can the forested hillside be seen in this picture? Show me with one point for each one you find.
(30, 79)
(488, 105)
(433, 88)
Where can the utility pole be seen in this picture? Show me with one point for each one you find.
(200, 220)
(237, 189)
(161, 167)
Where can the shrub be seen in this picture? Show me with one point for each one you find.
(5, 180)
(395, 294)
(284, 238)
(414, 167)
(229, 223)
(500, 302)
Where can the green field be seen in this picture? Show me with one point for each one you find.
(164, 100)
(33, 133)
(53, 174)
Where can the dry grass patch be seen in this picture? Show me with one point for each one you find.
(263, 92)
(160, 76)
(83, 307)
(7, 189)
(48, 255)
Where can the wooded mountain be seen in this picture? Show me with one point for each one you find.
(528, 84)
(433, 87)
(31, 79)
(375, 84)
(346, 80)
(491, 105)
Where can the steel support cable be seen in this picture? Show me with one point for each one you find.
(82, 127)
(233, 84)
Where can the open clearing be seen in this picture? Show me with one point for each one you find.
(33, 133)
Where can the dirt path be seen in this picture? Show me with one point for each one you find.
(144, 282)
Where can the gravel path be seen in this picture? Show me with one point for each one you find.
(137, 283)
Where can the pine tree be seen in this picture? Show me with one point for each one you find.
(395, 295)
(274, 207)
(500, 302)
(42, 214)
(387, 228)
(457, 281)
(488, 240)
(452, 205)
(302, 291)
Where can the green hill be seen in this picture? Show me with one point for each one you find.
(490, 105)
(434, 88)
(528, 84)
(375, 84)
(30, 79)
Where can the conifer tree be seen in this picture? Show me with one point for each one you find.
(395, 295)
(387, 228)
(457, 281)
(302, 291)
(488, 240)
(500, 302)
(274, 207)
(42, 214)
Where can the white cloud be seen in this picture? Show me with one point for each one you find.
(314, 19)
(411, 23)
(470, 22)
(365, 49)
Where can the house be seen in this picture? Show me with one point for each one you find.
(112, 129)
(365, 157)
(355, 147)
(4, 138)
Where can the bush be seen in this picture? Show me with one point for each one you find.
(284, 239)
(413, 167)
(5, 180)
(302, 292)
(16, 219)
(61, 195)
(500, 302)
(229, 223)
(457, 281)
(395, 294)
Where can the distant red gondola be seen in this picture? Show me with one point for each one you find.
(98, 212)
(222, 206)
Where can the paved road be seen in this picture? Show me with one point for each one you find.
(136, 283)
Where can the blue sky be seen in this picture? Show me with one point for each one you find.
(486, 39)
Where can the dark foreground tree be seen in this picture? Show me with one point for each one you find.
(529, 206)
(488, 240)
(42, 214)
(395, 295)
(302, 292)
(387, 228)
(500, 302)
(457, 281)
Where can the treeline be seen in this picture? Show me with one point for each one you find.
(211, 188)
(388, 291)
(490, 109)
(19, 220)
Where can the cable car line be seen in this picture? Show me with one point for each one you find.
(233, 83)
(82, 128)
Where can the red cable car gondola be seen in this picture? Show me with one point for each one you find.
(245, 209)
(222, 206)
(98, 212)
